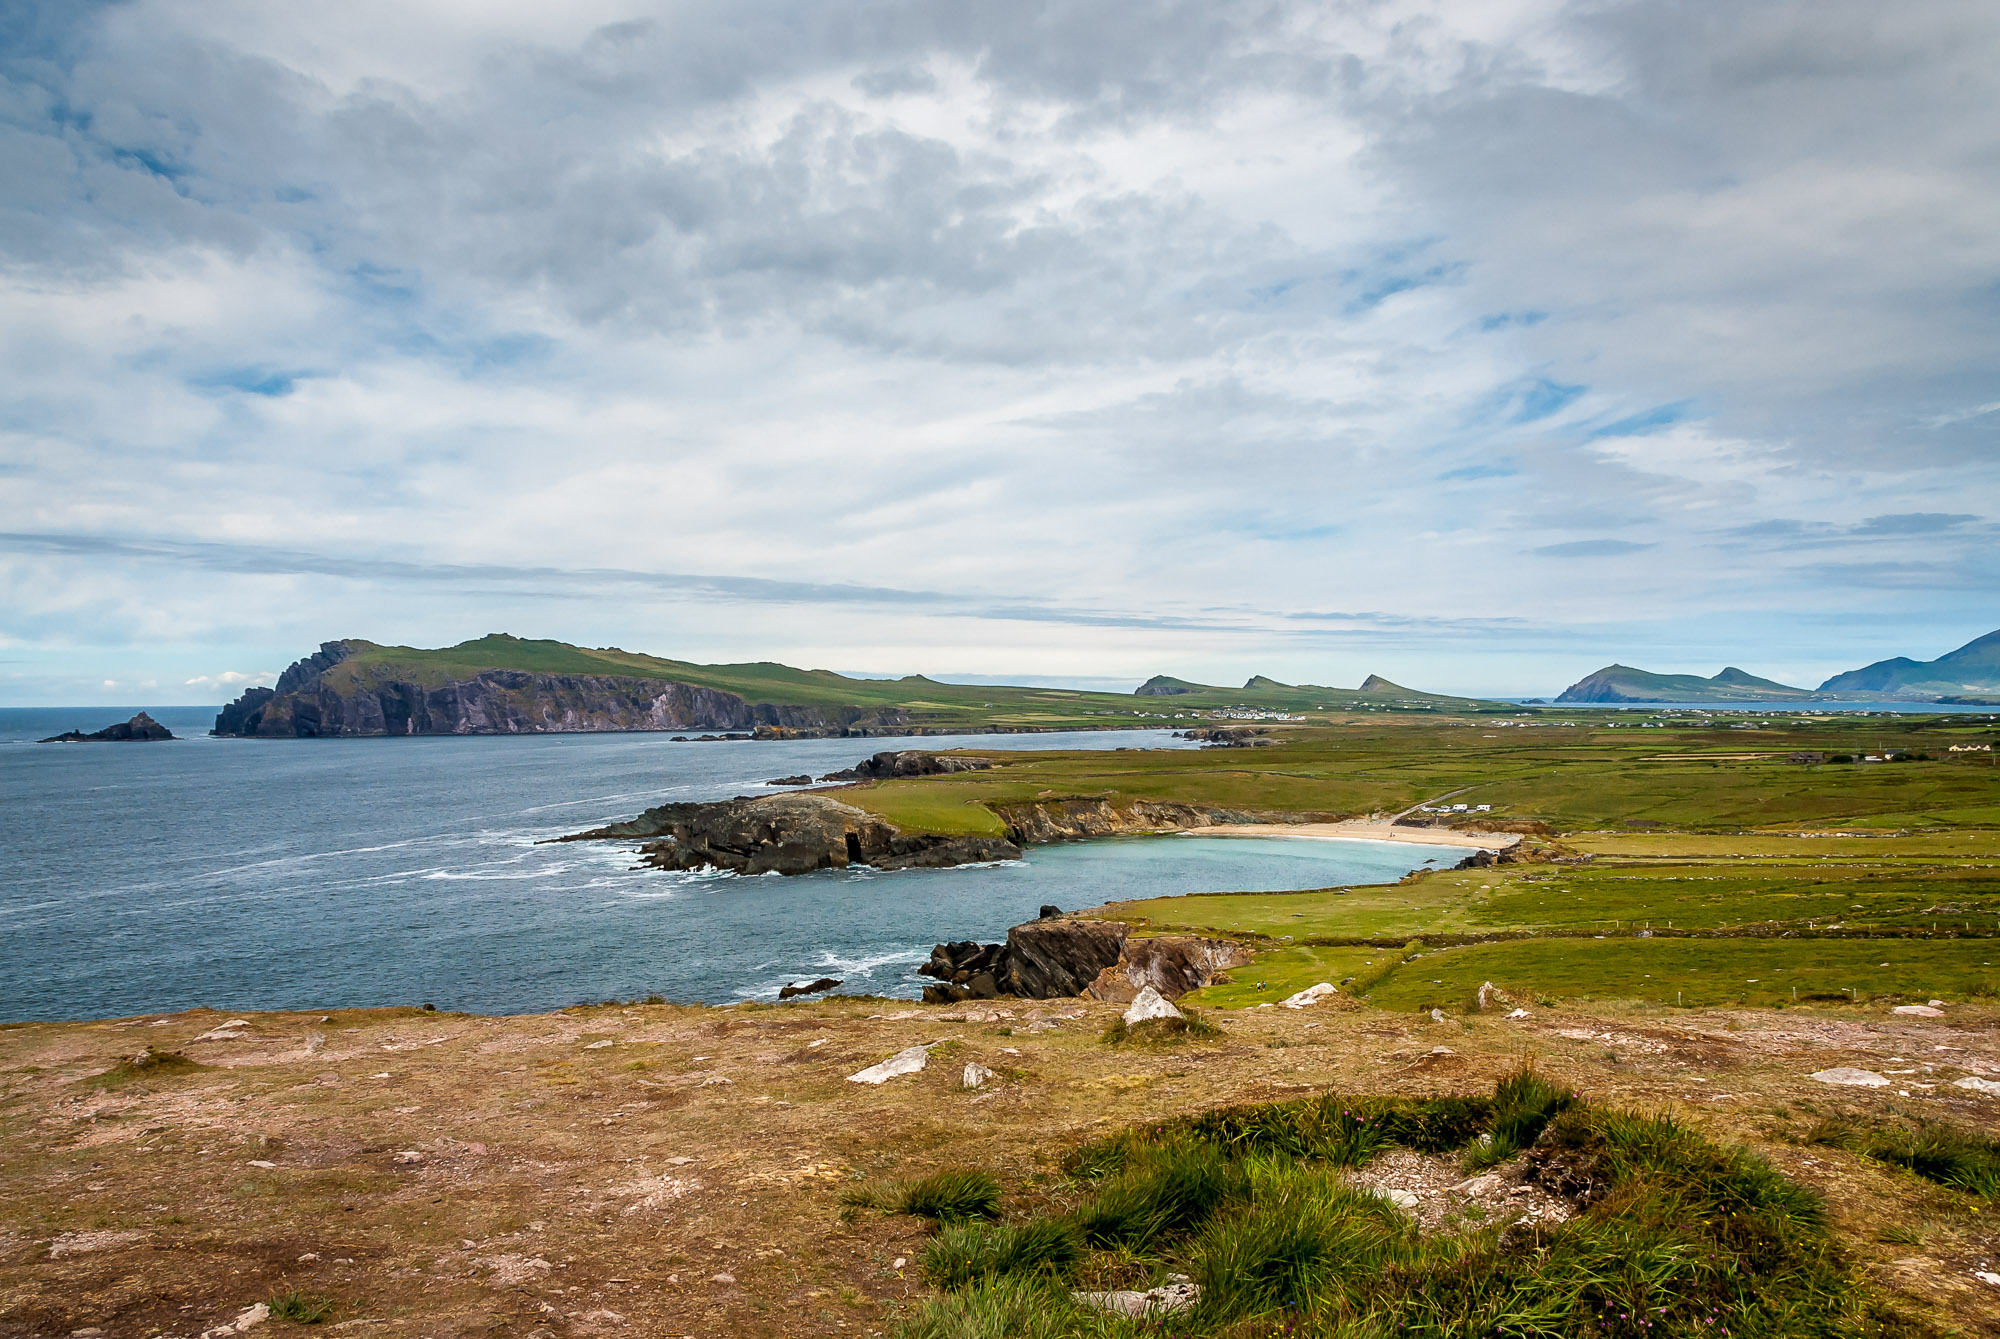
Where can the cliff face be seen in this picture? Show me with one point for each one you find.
(324, 696)
(1036, 821)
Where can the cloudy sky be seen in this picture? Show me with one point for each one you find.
(1475, 344)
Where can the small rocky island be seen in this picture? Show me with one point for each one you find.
(140, 729)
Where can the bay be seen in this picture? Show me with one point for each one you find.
(304, 874)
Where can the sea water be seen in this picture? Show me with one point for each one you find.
(299, 874)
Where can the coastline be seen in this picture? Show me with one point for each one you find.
(1357, 831)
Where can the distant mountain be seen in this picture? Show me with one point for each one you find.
(1622, 683)
(1165, 685)
(1259, 681)
(1974, 667)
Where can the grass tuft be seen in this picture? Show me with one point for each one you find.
(301, 1308)
(967, 1253)
(1190, 1026)
(148, 1064)
(947, 1196)
(1935, 1150)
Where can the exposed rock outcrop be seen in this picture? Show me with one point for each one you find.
(141, 728)
(1170, 964)
(789, 834)
(907, 762)
(1057, 957)
(1069, 819)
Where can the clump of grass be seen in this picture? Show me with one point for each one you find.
(967, 1253)
(1166, 1188)
(148, 1064)
(1190, 1026)
(1005, 1308)
(1523, 1104)
(947, 1196)
(1935, 1150)
(301, 1308)
(1676, 1236)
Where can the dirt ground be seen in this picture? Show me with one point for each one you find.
(668, 1170)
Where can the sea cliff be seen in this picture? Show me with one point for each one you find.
(336, 692)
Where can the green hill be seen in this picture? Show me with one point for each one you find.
(1974, 667)
(1623, 683)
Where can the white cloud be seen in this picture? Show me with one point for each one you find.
(1132, 326)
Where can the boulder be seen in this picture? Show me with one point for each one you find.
(1170, 1297)
(1310, 996)
(909, 1061)
(1845, 1076)
(1978, 1085)
(800, 780)
(1149, 1005)
(1918, 1011)
(976, 1075)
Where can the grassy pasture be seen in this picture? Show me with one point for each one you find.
(1704, 972)
(1584, 779)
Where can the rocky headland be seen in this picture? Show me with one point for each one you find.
(141, 729)
(789, 834)
(346, 689)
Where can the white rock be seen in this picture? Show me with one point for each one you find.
(308, 1257)
(1848, 1077)
(598, 1046)
(1979, 1085)
(908, 1061)
(1935, 1004)
(1402, 1199)
(259, 1162)
(1149, 1004)
(1918, 1011)
(898, 1263)
(976, 1075)
(1478, 1185)
(1987, 1276)
(1311, 995)
(1162, 1300)
(409, 1155)
(247, 1319)
(1437, 1015)
(221, 1034)
(722, 1278)
(1520, 1013)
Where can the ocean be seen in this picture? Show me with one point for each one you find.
(300, 874)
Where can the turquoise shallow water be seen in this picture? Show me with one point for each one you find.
(247, 874)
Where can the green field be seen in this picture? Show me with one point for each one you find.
(1683, 829)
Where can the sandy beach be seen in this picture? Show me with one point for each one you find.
(1356, 830)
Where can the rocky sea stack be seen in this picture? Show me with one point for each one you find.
(140, 729)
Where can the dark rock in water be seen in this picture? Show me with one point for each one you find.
(790, 834)
(1049, 909)
(141, 728)
(800, 780)
(788, 991)
(907, 762)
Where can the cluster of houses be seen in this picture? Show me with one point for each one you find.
(1972, 748)
(1454, 809)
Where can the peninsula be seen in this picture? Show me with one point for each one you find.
(500, 684)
